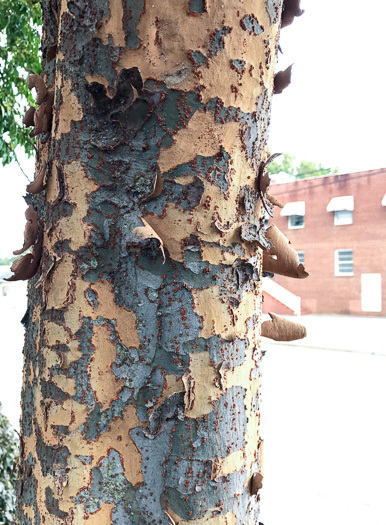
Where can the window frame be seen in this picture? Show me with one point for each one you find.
(344, 222)
(294, 227)
(339, 273)
(301, 257)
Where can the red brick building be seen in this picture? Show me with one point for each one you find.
(337, 223)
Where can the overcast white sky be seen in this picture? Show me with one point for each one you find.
(333, 112)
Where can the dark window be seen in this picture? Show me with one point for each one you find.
(295, 221)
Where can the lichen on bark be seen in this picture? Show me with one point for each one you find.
(141, 387)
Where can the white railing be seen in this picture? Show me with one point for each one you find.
(281, 294)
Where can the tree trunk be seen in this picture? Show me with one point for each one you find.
(140, 400)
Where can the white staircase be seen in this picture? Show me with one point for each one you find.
(281, 294)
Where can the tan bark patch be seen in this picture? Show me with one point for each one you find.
(203, 379)
(217, 316)
(52, 191)
(215, 206)
(202, 136)
(103, 516)
(117, 438)
(112, 25)
(168, 35)
(71, 109)
(248, 88)
(125, 319)
(79, 187)
(227, 465)
(106, 387)
(60, 292)
(67, 384)
(29, 512)
(55, 334)
(107, 308)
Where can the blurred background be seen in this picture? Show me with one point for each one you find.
(323, 398)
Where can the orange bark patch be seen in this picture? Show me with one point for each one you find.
(202, 136)
(67, 384)
(217, 316)
(125, 319)
(79, 187)
(60, 293)
(112, 26)
(70, 110)
(103, 516)
(202, 381)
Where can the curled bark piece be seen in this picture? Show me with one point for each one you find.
(281, 258)
(128, 86)
(256, 483)
(263, 181)
(28, 119)
(26, 266)
(172, 407)
(157, 188)
(30, 230)
(146, 233)
(274, 201)
(36, 81)
(37, 186)
(171, 520)
(281, 329)
(43, 116)
(245, 272)
(291, 8)
(189, 385)
(282, 80)
(224, 227)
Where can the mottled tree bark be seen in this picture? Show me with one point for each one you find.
(140, 399)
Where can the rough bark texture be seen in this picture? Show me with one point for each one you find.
(140, 402)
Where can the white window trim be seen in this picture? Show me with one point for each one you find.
(338, 223)
(293, 208)
(345, 202)
(337, 272)
(290, 227)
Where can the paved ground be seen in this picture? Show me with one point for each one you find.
(324, 425)
(323, 419)
(340, 332)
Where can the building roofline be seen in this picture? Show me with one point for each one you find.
(357, 174)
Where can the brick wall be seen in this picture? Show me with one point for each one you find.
(323, 292)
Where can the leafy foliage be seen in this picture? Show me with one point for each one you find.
(6, 261)
(8, 457)
(302, 170)
(19, 49)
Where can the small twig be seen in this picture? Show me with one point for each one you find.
(17, 160)
(31, 71)
(21, 169)
(32, 144)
